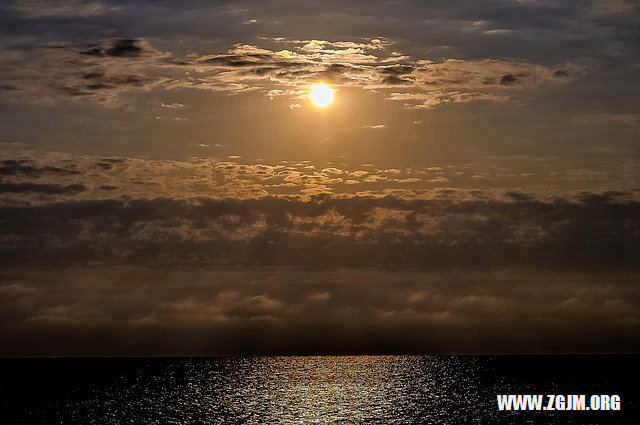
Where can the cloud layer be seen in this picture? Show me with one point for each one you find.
(101, 71)
(134, 311)
(81, 210)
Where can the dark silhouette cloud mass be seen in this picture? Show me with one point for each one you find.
(595, 233)
(129, 310)
(52, 189)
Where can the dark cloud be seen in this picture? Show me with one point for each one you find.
(600, 198)
(39, 9)
(142, 311)
(105, 165)
(91, 75)
(119, 47)
(11, 167)
(518, 196)
(45, 189)
(508, 79)
(595, 233)
(98, 73)
(125, 48)
(392, 80)
(561, 73)
(397, 70)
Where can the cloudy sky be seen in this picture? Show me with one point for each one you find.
(167, 186)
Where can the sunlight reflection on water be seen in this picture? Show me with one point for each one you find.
(303, 390)
(341, 390)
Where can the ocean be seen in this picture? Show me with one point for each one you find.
(311, 389)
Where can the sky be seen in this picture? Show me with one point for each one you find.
(167, 187)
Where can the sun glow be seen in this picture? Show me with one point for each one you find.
(321, 95)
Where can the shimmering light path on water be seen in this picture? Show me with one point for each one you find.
(295, 390)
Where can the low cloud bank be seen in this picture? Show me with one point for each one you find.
(137, 311)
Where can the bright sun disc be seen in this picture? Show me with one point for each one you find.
(321, 95)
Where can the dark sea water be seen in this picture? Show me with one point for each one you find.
(315, 390)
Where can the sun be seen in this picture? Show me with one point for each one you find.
(321, 95)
